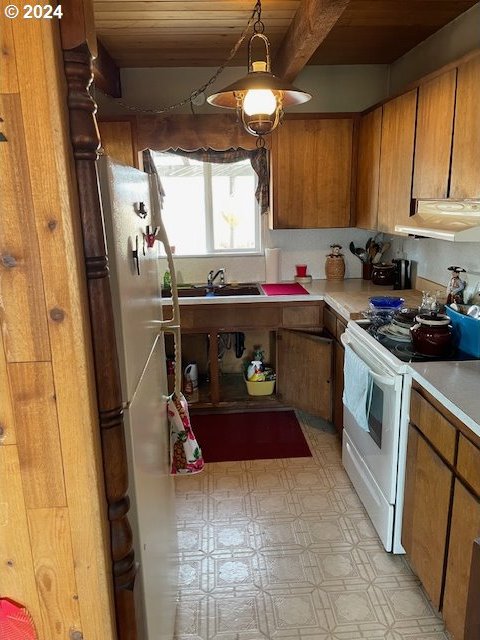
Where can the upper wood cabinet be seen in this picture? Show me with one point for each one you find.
(396, 161)
(118, 140)
(311, 169)
(465, 177)
(433, 143)
(368, 169)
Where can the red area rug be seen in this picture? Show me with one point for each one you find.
(284, 289)
(258, 435)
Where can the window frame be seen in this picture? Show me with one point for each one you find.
(258, 250)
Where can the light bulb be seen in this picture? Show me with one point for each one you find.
(259, 101)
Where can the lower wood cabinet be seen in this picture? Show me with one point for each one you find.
(336, 325)
(304, 376)
(441, 518)
(292, 332)
(425, 513)
(465, 527)
(339, 359)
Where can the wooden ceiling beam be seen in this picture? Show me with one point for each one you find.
(312, 23)
(106, 74)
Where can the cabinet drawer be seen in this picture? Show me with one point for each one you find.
(468, 463)
(229, 317)
(433, 425)
(330, 321)
(301, 316)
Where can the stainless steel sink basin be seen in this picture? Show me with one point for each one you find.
(202, 291)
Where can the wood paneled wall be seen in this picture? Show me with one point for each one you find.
(54, 549)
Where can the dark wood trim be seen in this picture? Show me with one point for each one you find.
(85, 143)
(311, 24)
(321, 115)
(354, 169)
(472, 622)
(106, 74)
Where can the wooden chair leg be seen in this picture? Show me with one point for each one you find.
(472, 620)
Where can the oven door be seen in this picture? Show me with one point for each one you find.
(377, 449)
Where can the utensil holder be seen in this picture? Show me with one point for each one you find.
(367, 270)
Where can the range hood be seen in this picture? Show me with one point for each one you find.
(454, 220)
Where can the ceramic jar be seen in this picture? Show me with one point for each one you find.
(432, 334)
(383, 274)
(335, 264)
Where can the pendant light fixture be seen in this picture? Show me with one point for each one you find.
(259, 97)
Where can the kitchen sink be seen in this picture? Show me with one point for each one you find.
(202, 291)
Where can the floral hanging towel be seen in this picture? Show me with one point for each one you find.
(185, 454)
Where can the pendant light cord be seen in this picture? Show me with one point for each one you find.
(257, 12)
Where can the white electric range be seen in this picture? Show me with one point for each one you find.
(375, 458)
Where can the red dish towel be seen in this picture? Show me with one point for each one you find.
(287, 289)
(15, 622)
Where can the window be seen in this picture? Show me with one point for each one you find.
(209, 207)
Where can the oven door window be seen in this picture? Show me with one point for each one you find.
(375, 415)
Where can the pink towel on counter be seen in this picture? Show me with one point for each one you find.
(285, 289)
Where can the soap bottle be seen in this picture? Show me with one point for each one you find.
(167, 280)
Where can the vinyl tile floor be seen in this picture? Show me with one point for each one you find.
(283, 549)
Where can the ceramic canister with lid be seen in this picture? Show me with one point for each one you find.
(432, 334)
(383, 274)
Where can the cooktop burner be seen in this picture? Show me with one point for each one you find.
(404, 350)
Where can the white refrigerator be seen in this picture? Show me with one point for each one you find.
(136, 293)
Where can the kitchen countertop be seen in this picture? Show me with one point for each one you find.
(347, 297)
(456, 385)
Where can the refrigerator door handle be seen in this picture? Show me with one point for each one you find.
(135, 257)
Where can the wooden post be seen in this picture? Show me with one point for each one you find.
(85, 142)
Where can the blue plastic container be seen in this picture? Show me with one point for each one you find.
(465, 332)
(386, 302)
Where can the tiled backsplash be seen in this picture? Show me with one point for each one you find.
(433, 257)
(310, 246)
(298, 246)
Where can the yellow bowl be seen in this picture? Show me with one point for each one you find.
(264, 388)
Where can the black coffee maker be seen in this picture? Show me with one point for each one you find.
(402, 274)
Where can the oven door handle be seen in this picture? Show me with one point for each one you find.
(386, 381)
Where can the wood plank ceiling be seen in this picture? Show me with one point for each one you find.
(170, 33)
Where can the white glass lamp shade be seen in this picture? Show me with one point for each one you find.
(259, 101)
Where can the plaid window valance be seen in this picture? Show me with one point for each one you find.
(257, 157)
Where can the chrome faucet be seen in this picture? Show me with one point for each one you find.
(212, 276)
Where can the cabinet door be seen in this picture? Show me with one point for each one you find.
(338, 387)
(425, 513)
(465, 527)
(118, 141)
(304, 371)
(396, 161)
(311, 174)
(368, 167)
(465, 178)
(433, 140)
